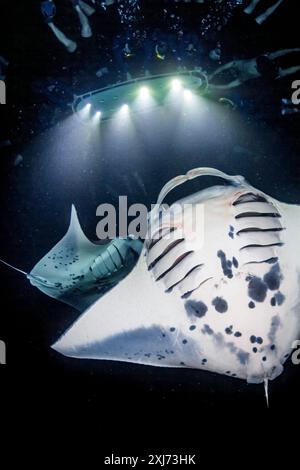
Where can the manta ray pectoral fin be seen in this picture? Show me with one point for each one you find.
(78, 272)
(131, 323)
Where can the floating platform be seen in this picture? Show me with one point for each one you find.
(149, 91)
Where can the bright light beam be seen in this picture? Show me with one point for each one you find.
(176, 85)
(125, 108)
(96, 117)
(85, 111)
(144, 100)
(144, 92)
(188, 94)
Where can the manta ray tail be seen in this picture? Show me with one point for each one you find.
(13, 267)
(266, 385)
(29, 276)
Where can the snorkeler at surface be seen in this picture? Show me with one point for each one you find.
(265, 15)
(241, 71)
(48, 10)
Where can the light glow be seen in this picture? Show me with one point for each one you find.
(144, 92)
(188, 94)
(96, 117)
(176, 84)
(125, 108)
(85, 111)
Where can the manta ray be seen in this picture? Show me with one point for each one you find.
(77, 271)
(215, 287)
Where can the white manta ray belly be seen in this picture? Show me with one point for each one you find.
(222, 297)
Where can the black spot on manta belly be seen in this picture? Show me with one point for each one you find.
(254, 339)
(243, 357)
(207, 329)
(220, 304)
(280, 298)
(228, 330)
(273, 278)
(195, 308)
(227, 271)
(257, 289)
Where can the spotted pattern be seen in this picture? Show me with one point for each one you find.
(220, 304)
(195, 308)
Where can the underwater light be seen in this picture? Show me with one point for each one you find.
(188, 94)
(144, 92)
(140, 94)
(96, 117)
(176, 84)
(125, 108)
(85, 111)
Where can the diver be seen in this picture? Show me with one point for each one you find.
(265, 15)
(123, 52)
(82, 9)
(48, 10)
(190, 50)
(240, 71)
(160, 51)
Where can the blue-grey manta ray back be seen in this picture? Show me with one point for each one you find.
(216, 287)
(77, 271)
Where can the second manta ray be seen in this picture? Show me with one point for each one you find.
(218, 292)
